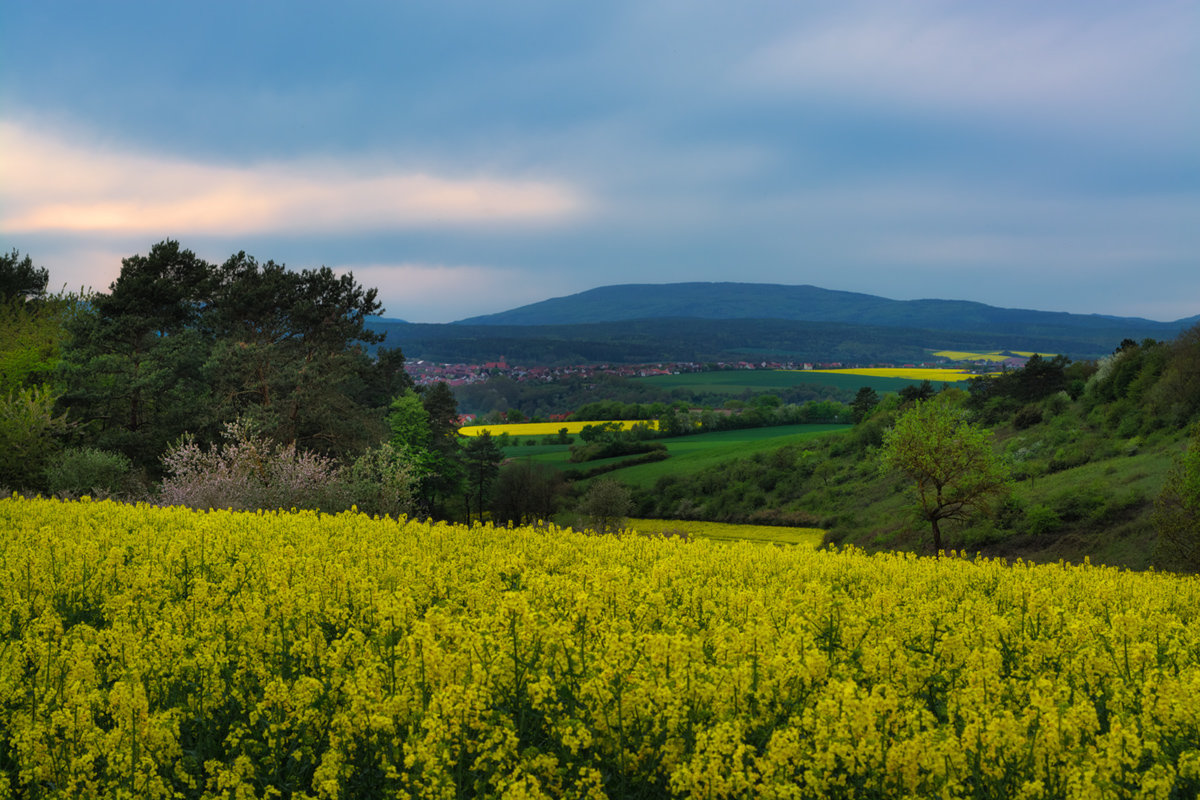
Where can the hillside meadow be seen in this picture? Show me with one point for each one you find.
(162, 652)
(686, 454)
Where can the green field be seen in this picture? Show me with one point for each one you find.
(688, 453)
(737, 381)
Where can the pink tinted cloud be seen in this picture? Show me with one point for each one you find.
(53, 184)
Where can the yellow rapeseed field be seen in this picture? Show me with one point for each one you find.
(166, 653)
(547, 428)
(959, 355)
(930, 374)
(691, 528)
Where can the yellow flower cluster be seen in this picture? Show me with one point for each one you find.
(162, 653)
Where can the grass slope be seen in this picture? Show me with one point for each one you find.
(1081, 491)
(688, 454)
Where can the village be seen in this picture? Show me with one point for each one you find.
(427, 372)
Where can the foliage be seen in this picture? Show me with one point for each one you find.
(87, 471)
(133, 365)
(950, 461)
(481, 462)
(409, 422)
(20, 280)
(31, 432)
(864, 403)
(613, 448)
(32, 335)
(994, 396)
(383, 481)
(1177, 510)
(249, 471)
(605, 505)
(526, 493)
(161, 653)
(290, 352)
(178, 344)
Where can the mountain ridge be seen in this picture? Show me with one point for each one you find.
(804, 302)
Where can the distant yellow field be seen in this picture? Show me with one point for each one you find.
(959, 355)
(811, 537)
(546, 428)
(912, 373)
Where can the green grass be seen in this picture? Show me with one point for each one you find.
(688, 454)
(737, 381)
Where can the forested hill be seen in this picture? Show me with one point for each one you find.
(684, 339)
(813, 304)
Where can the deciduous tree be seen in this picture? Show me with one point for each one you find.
(950, 461)
(605, 505)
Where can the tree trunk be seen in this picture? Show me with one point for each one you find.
(937, 538)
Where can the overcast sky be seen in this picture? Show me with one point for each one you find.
(467, 158)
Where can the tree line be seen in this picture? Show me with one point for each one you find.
(187, 375)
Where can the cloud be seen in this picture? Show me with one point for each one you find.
(1049, 60)
(53, 184)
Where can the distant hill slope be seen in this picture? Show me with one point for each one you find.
(691, 339)
(813, 304)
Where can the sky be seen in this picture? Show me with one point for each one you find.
(466, 158)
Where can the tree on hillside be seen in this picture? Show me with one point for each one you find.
(864, 403)
(955, 473)
(409, 422)
(32, 335)
(605, 505)
(1177, 510)
(526, 493)
(1176, 395)
(482, 457)
(290, 352)
(133, 367)
(20, 279)
(917, 393)
(30, 435)
(445, 476)
(180, 345)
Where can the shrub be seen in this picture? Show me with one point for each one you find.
(1041, 519)
(29, 436)
(1027, 417)
(382, 481)
(86, 470)
(249, 472)
(605, 506)
(1177, 510)
(1082, 503)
